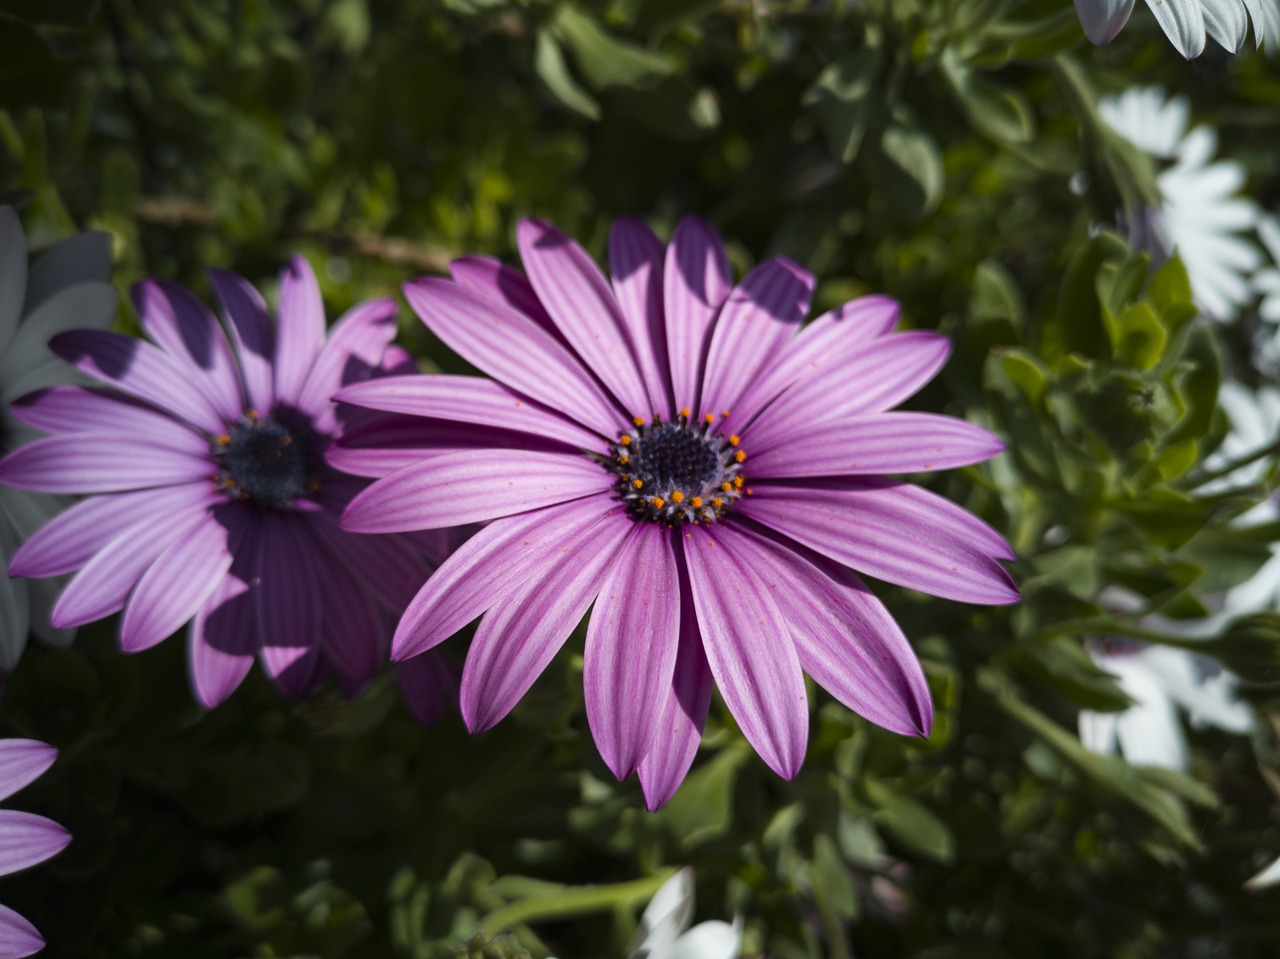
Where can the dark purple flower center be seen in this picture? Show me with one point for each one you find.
(263, 461)
(678, 471)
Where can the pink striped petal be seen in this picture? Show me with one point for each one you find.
(933, 509)
(760, 316)
(876, 443)
(695, 282)
(300, 328)
(184, 327)
(467, 399)
(489, 566)
(520, 633)
(26, 839)
(136, 367)
(176, 585)
(678, 728)
(222, 641)
(882, 539)
(18, 938)
(578, 297)
(845, 638)
(386, 565)
(631, 648)
(251, 335)
(22, 762)
(363, 332)
(635, 264)
(429, 686)
(748, 647)
(100, 588)
(288, 602)
(354, 632)
(472, 486)
(99, 463)
(503, 283)
(69, 540)
(74, 409)
(513, 349)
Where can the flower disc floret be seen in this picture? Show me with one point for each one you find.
(261, 461)
(678, 471)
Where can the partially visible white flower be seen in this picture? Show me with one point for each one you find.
(662, 934)
(1159, 679)
(1266, 282)
(1201, 215)
(1185, 22)
(1268, 877)
(64, 290)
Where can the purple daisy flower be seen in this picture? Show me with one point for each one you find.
(25, 839)
(680, 453)
(214, 504)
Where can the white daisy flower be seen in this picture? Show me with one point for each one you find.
(1159, 679)
(63, 290)
(1185, 22)
(662, 934)
(1268, 877)
(1266, 282)
(1200, 216)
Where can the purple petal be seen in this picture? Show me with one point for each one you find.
(362, 333)
(472, 486)
(100, 588)
(583, 306)
(74, 409)
(251, 334)
(880, 537)
(864, 378)
(183, 326)
(288, 601)
(386, 565)
(176, 585)
(876, 443)
(678, 728)
(631, 649)
(933, 509)
(489, 566)
(18, 938)
(222, 641)
(748, 647)
(26, 839)
(99, 463)
(1102, 19)
(22, 762)
(514, 350)
(503, 283)
(846, 639)
(300, 329)
(635, 263)
(69, 540)
(139, 369)
(429, 686)
(696, 280)
(760, 316)
(466, 399)
(521, 632)
(355, 632)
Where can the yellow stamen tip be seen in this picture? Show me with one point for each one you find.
(740, 455)
(677, 497)
(658, 502)
(738, 481)
(637, 484)
(639, 421)
(625, 440)
(623, 457)
(734, 439)
(684, 411)
(717, 502)
(224, 439)
(696, 502)
(710, 418)
(726, 486)
(725, 414)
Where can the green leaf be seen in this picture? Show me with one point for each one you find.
(1025, 372)
(999, 113)
(913, 152)
(549, 63)
(841, 99)
(605, 60)
(1141, 338)
(911, 823)
(996, 294)
(1078, 325)
(1199, 385)
(1250, 648)
(702, 809)
(1062, 665)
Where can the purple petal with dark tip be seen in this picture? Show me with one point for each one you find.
(695, 280)
(288, 602)
(251, 335)
(363, 332)
(222, 642)
(635, 264)
(503, 283)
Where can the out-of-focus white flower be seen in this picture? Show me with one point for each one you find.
(1266, 282)
(1159, 679)
(64, 290)
(662, 933)
(1201, 215)
(1185, 22)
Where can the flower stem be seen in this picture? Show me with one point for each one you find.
(1236, 464)
(560, 902)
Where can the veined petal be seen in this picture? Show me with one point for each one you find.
(388, 566)
(363, 332)
(882, 539)
(251, 335)
(467, 399)
(635, 265)
(139, 369)
(99, 463)
(22, 761)
(222, 642)
(578, 297)
(877, 443)
(491, 565)
(75, 409)
(1227, 23)
(1183, 23)
(748, 646)
(520, 633)
(760, 316)
(429, 686)
(300, 328)
(503, 283)
(695, 281)
(354, 631)
(513, 349)
(182, 326)
(288, 602)
(1103, 19)
(472, 486)
(631, 648)
(18, 938)
(26, 839)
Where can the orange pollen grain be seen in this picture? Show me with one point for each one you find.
(224, 439)
(625, 440)
(658, 502)
(740, 455)
(623, 457)
(725, 414)
(726, 486)
(696, 502)
(717, 502)
(637, 484)
(734, 439)
(710, 418)
(738, 481)
(639, 421)
(684, 411)
(677, 496)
